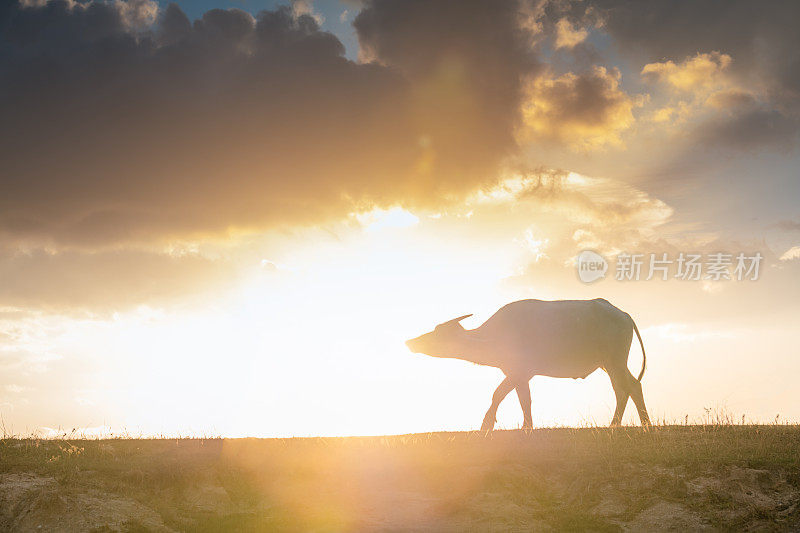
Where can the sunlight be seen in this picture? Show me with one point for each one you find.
(309, 340)
(379, 219)
(303, 344)
(342, 307)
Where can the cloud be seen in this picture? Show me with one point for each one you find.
(127, 127)
(587, 111)
(703, 44)
(117, 130)
(791, 254)
(27, 347)
(748, 128)
(380, 219)
(731, 99)
(567, 36)
(306, 7)
(138, 14)
(593, 212)
(701, 71)
(789, 224)
(726, 114)
(464, 62)
(99, 283)
(655, 30)
(577, 212)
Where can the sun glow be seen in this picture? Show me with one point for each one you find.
(308, 336)
(303, 345)
(311, 341)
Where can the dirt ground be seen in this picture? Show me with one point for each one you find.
(692, 478)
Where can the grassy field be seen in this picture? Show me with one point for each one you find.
(721, 477)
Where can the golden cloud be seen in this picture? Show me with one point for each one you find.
(567, 36)
(703, 71)
(731, 99)
(587, 111)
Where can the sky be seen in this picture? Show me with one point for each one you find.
(225, 218)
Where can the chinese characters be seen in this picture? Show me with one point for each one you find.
(688, 266)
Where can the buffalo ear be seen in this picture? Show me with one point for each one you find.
(459, 319)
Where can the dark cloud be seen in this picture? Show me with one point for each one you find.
(789, 224)
(586, 110)
(95, 283)
(585, 98)
(749, 129)
(114, 130)
(465, 61)
(659, 29)
(761, 38)
(123, 124)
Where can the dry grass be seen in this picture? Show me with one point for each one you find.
(718, 476)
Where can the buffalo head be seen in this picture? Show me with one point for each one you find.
(443, 341)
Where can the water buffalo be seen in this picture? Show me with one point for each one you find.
(563, 339)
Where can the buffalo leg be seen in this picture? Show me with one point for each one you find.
(620, 385)
(501, 392)
(524, 395)
(635, 388)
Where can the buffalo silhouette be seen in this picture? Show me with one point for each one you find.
(562, 338)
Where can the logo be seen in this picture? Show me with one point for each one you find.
(591, 266)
